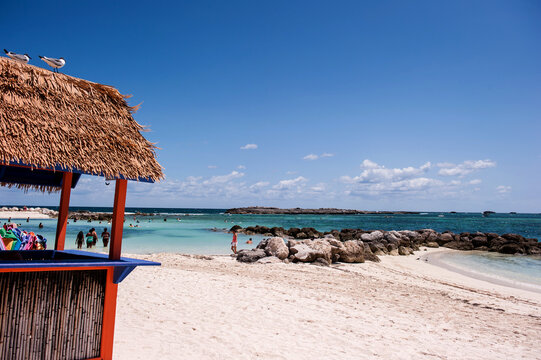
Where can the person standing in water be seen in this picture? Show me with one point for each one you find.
(94, 236)
(234, 243)
(105, 237)
(80, 240)
(89, 239)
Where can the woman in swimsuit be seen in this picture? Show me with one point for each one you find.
(234, 243)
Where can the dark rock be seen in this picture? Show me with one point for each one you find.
(403, 251)
(373, 236)
(443, 239)
(262, 244)
(377, 248)
(321, 262)
(479, 241)
(250, 256)
(235, 228)
(459, 245)
(301, 235)
(278, 231)
(513, 237)
(293, 232)
(511, 248)
(369, 255)
(432, 244)
(496, 243)
(352, 252)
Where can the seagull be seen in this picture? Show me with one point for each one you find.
(54, 63)
(18, 57)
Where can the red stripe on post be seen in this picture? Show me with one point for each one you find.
(118, 219)
(63, 211)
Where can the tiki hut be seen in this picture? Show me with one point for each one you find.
(61, 303)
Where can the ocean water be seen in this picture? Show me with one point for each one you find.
(189, 231)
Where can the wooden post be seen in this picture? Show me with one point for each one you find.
(111, 289)
(109, 314)
(118, 219)
(63, 211)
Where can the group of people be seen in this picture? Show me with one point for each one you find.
(92, 238)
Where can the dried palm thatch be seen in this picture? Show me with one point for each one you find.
(50, 121)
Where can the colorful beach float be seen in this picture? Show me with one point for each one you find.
(56, 303)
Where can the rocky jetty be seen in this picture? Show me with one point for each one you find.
(99, 216)
(255, 210)
(322, 251)
(356, 245)
(89, 215)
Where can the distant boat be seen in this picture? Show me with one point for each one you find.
(452, 212)
(513, 212)
(487, 213)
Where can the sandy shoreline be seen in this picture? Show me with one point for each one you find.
(41, 213)
(401, 308)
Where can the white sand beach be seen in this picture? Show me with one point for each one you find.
(401, 308)
(32, 213)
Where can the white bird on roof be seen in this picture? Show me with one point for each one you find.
(18, 57)
(54, 63)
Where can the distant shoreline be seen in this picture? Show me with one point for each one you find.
(263, 210)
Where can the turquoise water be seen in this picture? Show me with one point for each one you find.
(192, 233)
(514, 270)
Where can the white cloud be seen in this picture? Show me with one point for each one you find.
(259, 184)
(290, 183)
(315, 156)
(503, 189)
(212, 166)
(374, 173)
(311, 157)
(291, 172)
(467, 167)
(241, 167)
(475, 181)
(367, 164)
(318, 187)
(220, 179)
(249, 147)
(377, 181)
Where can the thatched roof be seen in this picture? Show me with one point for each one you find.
(55, 121)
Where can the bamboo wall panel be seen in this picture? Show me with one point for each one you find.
(51, 314)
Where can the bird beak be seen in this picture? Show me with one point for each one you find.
(28, 56)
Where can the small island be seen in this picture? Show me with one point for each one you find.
(262, 210)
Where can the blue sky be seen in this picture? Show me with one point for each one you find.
(418, 105)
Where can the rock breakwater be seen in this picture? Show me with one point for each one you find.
(356, 245)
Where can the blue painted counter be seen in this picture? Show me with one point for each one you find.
(36, 259)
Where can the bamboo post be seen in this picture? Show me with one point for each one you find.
(63, 211)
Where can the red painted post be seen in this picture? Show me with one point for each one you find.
(109, 313)
(111, 289)
(63, 211)
(118, 219)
